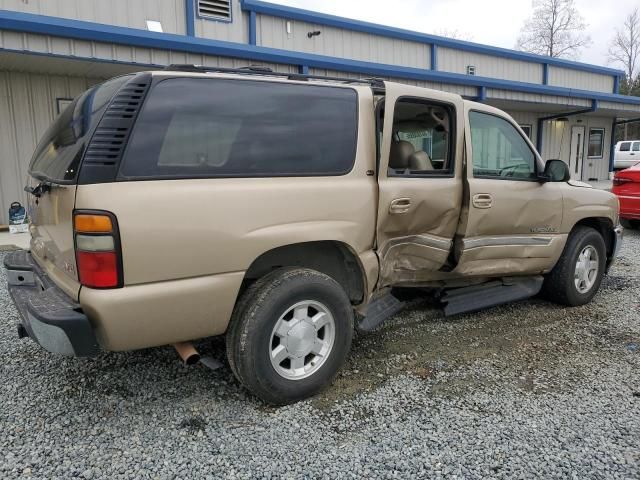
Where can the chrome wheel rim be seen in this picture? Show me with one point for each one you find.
(587, 268)
(302, 340)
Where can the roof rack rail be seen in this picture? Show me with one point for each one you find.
(375, 83)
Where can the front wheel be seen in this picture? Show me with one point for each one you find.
(290, 334)
(578, 274)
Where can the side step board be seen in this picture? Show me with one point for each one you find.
(478, 297)
(379, 310)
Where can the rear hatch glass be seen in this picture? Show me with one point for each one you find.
(58, 155)
(55, 163)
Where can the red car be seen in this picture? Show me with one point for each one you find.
(626, 185)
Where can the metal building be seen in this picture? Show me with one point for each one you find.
(51, 50)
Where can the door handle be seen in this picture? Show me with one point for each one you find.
(400, 205)
(482, 200)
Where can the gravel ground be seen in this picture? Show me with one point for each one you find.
(520, 391)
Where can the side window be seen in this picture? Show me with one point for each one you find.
(194, 127)
(422, 142)
(636, 146)
(499, 150)
(596, 143)
(625, 147)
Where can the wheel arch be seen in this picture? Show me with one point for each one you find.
(333, 258)
(604, 226)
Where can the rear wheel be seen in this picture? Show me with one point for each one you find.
(290, 334)
(577, 276)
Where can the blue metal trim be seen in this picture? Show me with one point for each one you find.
(81, 30)
(190, 15)
(303, 69)
(612, 146)
(545, 74)
(376, 29)
(482, 94)
(218, 19)
(434, 56)
(616, 84)
(252, 28)
(594, 108)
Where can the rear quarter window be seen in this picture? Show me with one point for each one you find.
(191, 127)
(58, 154)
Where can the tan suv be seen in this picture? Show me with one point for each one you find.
(280, 210)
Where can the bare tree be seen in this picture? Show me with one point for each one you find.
(625, 49)
(555, 29)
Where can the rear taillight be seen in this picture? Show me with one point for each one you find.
(98, 252)
(617, 181)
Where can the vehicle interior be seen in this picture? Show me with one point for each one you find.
(421, 139)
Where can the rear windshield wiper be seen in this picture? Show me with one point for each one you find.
(38, 190)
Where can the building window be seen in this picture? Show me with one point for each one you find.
(596, 143)
(527, 129)
(215, 9)
(62, 104)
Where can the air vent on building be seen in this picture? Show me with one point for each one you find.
(471, 70)
(215, 9)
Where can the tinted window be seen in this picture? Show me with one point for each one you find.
(60, 150)
(498, 149)
(625, 147)
(636, 146)
(596, 143)
(211, 127)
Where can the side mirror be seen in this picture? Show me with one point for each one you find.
(555, 171)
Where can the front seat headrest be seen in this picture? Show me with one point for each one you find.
(420, 161)
(400, 153)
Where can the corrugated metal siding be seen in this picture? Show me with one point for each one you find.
(456, 61)
(235, 31)
(564, 77)
(125, 13)
(633, 110)
(337, 42)
(458, 89)
(118, 53)
(27, 107)
(536, 98)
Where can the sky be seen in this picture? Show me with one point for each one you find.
(491, 22)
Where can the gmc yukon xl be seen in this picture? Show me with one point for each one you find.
(283, 211)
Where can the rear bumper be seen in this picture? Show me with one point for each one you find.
(49, 316)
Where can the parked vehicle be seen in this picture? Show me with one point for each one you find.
(280, 210)
(626, 185)
(627, 154)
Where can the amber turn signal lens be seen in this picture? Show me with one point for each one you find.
(93, 223)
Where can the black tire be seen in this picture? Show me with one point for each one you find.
(559, 285)
(249, 338)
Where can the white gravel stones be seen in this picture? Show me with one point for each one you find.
(520, 391)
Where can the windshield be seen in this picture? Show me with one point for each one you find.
(57, 156)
